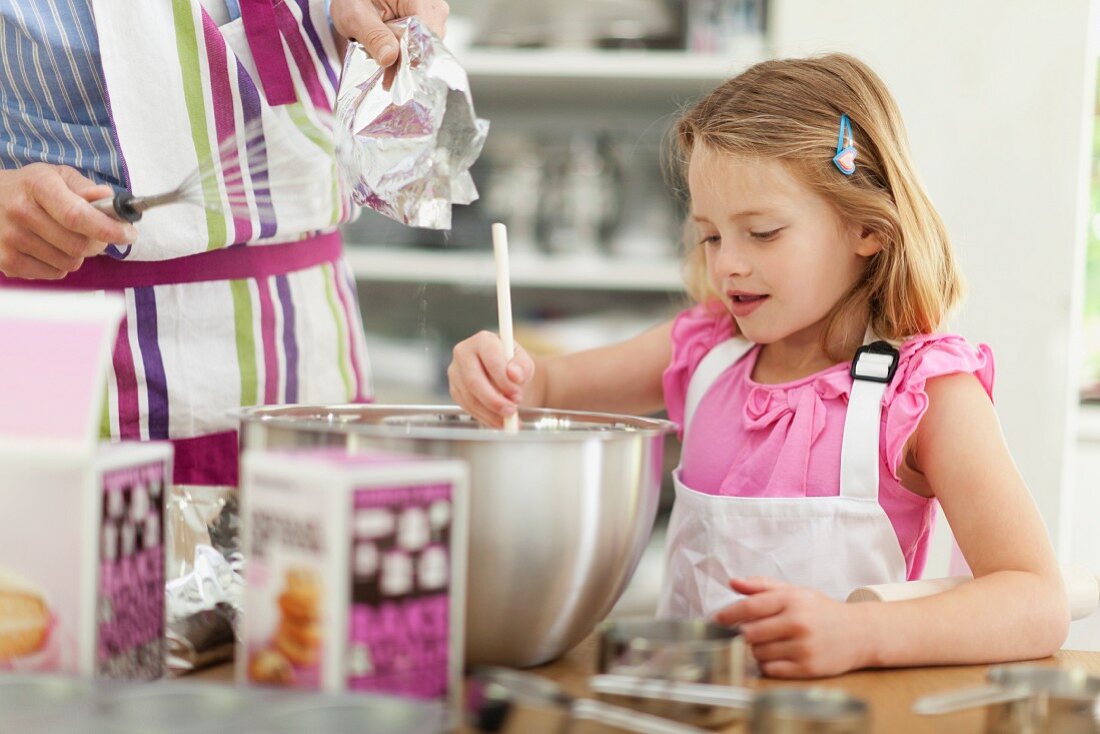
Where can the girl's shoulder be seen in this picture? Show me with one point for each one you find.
(921, 359)
(695, 332)
(926, 356)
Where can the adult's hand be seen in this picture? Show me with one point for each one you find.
(365, 21)
(47, 226)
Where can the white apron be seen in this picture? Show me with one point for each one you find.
(831, 544)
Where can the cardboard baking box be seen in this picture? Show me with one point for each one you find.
(82, 527)
(356, 572)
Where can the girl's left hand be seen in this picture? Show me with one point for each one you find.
(796, 632)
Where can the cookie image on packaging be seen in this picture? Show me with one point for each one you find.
(298, 637)
(24, 617)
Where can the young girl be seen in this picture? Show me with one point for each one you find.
(822, 414)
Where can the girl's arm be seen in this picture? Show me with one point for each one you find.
(1015, 608)
(619, 378)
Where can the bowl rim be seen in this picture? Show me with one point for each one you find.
(283, 416)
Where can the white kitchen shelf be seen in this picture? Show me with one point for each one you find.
(617, 65)
(507, 74)
(528, 270)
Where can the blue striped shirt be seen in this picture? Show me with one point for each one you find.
(53, 102)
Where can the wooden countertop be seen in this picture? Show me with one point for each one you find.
(890, 693)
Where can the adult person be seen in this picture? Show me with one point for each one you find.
(245, 299)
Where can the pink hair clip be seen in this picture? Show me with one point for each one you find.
(845, 158)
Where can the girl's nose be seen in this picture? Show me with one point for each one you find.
(730, 260)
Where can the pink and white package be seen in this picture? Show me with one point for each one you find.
(356, 573)
(82, 529)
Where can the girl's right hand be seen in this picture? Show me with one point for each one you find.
(484, 384)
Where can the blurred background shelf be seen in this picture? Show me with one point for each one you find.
(583, 75)
(381, 263)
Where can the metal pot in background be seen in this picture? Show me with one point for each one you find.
(560, 511)
(582, 196)
(1027, 699)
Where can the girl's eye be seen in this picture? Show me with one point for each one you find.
(765, 236)
(711, 240)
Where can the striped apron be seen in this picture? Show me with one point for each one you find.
(246, 299)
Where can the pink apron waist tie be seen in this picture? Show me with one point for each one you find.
(230, 263)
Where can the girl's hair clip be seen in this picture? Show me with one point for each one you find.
(845, 158)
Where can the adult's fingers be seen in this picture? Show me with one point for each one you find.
(47, 252)
(365, 23)
(433, 12)
(36, 220)
(50, 190)
(15, 264)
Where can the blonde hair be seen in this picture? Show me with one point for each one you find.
(789, 110)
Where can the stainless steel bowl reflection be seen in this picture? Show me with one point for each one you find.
(560, 511)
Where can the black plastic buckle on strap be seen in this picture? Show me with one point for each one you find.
(878, 347)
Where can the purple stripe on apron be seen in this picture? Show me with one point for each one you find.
(129, 426)
(145, 304)
(267, 332)
(318, 47)
(293, 35)
(256, 151)
(290, 339)
(225, 123)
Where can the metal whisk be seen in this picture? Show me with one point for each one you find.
(125, 206)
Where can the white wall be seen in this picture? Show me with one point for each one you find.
(997, 98)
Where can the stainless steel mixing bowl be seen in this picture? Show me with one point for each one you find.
(560, 511)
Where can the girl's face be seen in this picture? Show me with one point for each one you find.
(778, 253)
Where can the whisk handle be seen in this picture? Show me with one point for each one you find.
(120, 206)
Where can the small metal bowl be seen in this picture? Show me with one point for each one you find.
(1027, 698)
(808, 711)
(1057, 700)
(685, 651)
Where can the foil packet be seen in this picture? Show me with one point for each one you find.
(406, 151)
(205, 586)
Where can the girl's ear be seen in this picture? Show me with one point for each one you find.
(869, 243)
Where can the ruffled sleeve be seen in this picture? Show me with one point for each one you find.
(923, 358)
(694, 333)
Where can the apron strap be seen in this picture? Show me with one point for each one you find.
(872, 370)
(719, 359)
(266, 43)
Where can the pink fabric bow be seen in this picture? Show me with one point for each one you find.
(796, 416)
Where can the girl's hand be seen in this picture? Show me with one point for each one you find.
(483, 383)
(795, 632)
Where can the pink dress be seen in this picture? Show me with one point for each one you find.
(784, 440)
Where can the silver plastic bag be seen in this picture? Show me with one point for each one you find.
(205, 577)
(406, 152)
